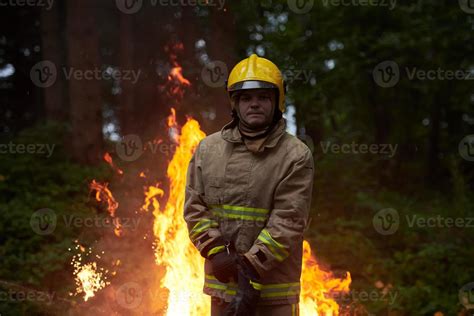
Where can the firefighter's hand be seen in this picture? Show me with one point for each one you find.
(247, 297)
(224, 266)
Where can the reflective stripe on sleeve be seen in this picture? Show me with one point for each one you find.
(277, 249)
(212, 283)
(201, 226)
(239, 212)
(215, 250)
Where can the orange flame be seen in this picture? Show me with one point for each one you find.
(184, 266)
(171, 121)
(89, 278)
(318, 287)
(102, 193)
(176, 253)
(109, 160)
(176, 80)
(176, 73)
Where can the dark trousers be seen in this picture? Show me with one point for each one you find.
(218, 306)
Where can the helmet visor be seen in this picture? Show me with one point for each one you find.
(252, 84)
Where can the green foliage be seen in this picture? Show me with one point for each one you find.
(420, 268)
(30, 182)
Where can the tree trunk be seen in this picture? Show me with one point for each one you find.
(85, 94)
(149, 111)
(53, 50)
(126, 55)
(222, 46)
(190, 63)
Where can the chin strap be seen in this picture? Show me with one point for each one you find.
(252, 133)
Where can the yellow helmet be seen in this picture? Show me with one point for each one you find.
(257, 73)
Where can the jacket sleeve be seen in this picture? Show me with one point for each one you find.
(203, 229)
(288, 218)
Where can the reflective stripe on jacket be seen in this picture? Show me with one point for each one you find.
(258, 201)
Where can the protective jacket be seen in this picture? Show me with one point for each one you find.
(257, 201)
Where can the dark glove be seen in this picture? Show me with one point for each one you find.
(247, 297)
(224, 266)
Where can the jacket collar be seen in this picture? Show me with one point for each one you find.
(230, 132)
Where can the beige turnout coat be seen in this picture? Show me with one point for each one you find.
(257, 201)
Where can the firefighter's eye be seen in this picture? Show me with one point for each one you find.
(245, 98)
(263, 97)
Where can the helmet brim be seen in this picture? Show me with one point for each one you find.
(252, 84)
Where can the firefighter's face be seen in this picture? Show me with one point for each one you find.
(256, 106)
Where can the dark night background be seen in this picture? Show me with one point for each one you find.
(360, 73)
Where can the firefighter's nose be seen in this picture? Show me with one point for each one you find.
(254, 103)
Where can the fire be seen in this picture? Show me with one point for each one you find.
(102, 193)
(183, 265)
(89, 278)
(173, 249)
(109, 160)
(176, 253)
(318, 287)
(177, 74)
(176, 83)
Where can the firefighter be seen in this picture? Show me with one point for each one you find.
(248, 194)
